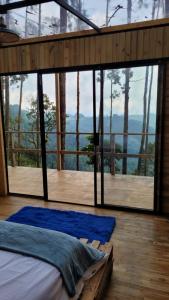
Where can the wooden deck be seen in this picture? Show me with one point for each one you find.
(141, 250)
(78, 187)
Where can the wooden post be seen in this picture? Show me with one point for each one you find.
(3, 179)
(58, 125)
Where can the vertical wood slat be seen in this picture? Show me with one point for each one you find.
(128, 39)
(140, 45)
(166, 42)
(84, 241)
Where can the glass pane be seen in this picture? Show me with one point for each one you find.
(49, 18)
(43, 19)
(116, 12)
(130, 103)
(22, 132)
(68, 103)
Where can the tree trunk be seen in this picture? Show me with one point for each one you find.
(141, 151)
(126, 112)
(7, 104)
(79, 5)
(19, 117)
(63, 19)
(107, 12)
(38, 135)
(7, 16)
(112, 137)
(62, 86)
(7, 112)
(58, 124)
(79, 22)
(40, 21)
(148, 116)
(26, 22)
(111, 106)
(77, 120)
(150, 91)
(166, 8)
(129, 10)
(126, 101)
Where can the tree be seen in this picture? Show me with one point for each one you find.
(128, 74)
(33, 120)
(107, 12)
(15, 80)
(142, 149)
(62, 88)
(77, 120)
(148, 116)
(166, 8)
(115, 80)
(142, 164)
(79, 8)
(107, 157)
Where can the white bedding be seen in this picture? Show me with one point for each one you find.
(27, 278)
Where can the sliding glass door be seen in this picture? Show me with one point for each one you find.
(22, 134)
(126, 126)
(68, 118)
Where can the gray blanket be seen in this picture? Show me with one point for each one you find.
(66, 253)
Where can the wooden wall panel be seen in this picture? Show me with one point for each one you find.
(165, 147)
(113, 47)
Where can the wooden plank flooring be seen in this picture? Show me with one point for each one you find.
(141, 250)
(78, 187)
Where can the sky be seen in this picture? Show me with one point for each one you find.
(86, 92)
(95, 10)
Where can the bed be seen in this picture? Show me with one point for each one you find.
(30, 278)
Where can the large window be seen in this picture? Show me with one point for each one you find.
(83, 137)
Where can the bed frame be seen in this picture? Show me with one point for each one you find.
(94, 288)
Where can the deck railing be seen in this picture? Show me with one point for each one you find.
(109, 150)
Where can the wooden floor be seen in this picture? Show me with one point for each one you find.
(78, 187)
(141, 250)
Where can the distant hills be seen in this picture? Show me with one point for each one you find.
(86, 125)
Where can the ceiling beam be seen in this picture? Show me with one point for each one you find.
(19, 4)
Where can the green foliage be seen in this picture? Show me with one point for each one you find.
(107, 148)
(17, 79)
(32, 140)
